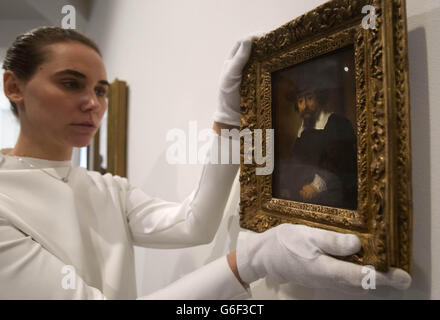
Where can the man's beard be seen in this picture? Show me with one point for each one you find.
(310, 118)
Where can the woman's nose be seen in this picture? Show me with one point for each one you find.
(90, 102)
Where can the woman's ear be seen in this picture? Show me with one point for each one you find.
(12, 86)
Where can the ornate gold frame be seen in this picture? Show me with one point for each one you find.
(116, 133)
(383, 220)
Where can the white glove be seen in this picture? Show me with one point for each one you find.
(228, 108)
(300, 254)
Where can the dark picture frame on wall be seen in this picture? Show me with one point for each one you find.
(333, 85)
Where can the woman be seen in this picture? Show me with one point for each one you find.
(58, 222)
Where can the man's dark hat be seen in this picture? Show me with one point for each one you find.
(315, 75)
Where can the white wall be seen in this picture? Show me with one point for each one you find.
(424, 59)
(171, 53)
(9, 29)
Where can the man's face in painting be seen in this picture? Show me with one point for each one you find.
(308, 107)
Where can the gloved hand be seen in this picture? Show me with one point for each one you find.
(228, 107)
(300, 254)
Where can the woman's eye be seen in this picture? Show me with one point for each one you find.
(101, 92)
(70, 84)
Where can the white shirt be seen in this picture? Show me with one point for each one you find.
(320, 123)
(87, 227)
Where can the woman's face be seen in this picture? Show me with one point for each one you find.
(64, 101)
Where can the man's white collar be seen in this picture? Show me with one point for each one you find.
(320, 123)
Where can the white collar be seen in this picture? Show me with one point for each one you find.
(320, 123)
(11, 162)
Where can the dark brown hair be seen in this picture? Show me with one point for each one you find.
(27, 52)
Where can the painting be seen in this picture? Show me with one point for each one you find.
(332, 85)
(314, 116)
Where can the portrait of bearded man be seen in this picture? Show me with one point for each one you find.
(321, 167)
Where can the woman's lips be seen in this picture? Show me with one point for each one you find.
(83, 127)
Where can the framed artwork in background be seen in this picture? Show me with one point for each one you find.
(108, 151)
